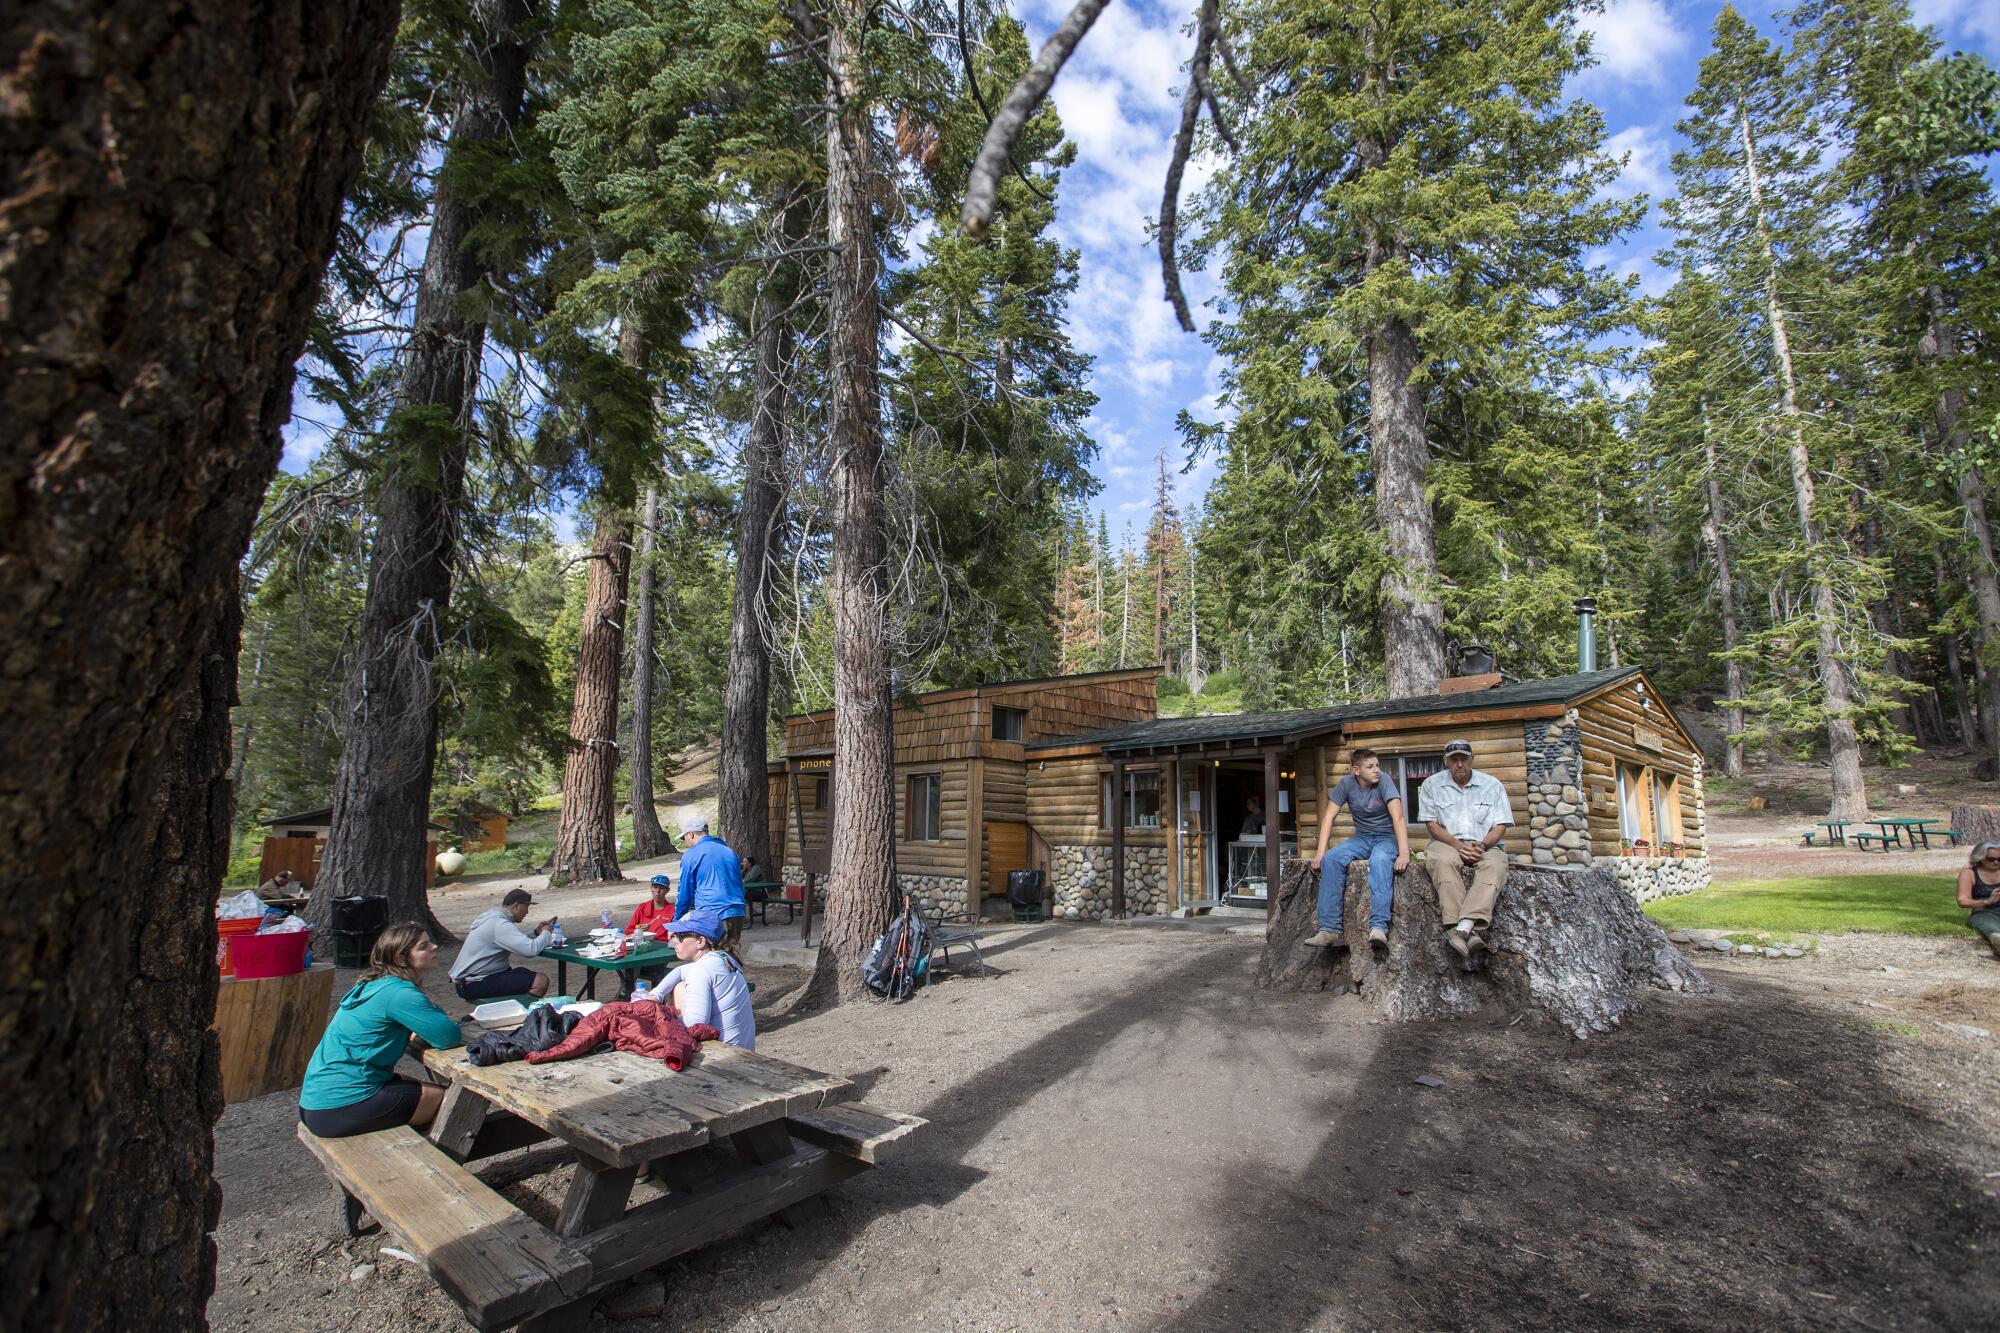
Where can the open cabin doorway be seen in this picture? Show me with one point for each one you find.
(1223, 862)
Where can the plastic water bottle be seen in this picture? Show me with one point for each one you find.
(618, 943)
(639, 991)
(604, 919)
(556, 935)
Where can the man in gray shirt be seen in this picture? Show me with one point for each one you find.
(1381, 834)
(482, 970)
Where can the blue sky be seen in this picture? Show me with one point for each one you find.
(1118, 100)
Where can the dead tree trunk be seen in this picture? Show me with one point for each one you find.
(1725, 588)
(863, 869)
(648, 838)
(587, 833)
(382, 788)
(170, 184)
(1569, 947)
(743, 796)
(1961, 698)
(1850, 790)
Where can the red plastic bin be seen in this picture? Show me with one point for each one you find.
(277, 955)
(227, 933)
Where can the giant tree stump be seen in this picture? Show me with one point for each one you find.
(1569, 947)
(1977, 823)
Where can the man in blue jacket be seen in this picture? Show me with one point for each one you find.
(711, 879)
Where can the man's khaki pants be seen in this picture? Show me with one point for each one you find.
(1455, 901)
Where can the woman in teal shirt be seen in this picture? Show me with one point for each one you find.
(351, 1086)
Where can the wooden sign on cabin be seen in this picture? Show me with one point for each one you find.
(1648, 739)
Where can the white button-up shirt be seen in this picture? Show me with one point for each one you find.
(1466, 812)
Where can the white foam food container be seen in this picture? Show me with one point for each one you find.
(499, 1011)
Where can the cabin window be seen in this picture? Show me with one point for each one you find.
(1142, 799)
(298, 833)
(1410, 770)
(819, 793)
(1010, 724)
(1649, 805)
(921, 811)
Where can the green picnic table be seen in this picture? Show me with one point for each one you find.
(774, 893)
(653, 955)
(1836, 830)
(1892, 831)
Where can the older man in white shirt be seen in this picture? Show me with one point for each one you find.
(1468, 813)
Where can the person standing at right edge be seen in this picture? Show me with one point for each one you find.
(1467, 813)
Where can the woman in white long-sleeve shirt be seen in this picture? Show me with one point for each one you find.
(709, 985)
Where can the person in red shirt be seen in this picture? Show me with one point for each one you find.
(654, 914)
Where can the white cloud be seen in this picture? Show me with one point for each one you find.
(1634, 39)
(1968, 18)
(1647, 169)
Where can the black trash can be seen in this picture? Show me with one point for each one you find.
(362, 913)
(1024, 893)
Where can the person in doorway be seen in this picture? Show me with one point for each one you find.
(1381, 837)
(653, 915)
(351, 1086)
(1467, 813)
(484, 968)
(711, 877)
(1979, 893)
(1253, 818)
(709, 985)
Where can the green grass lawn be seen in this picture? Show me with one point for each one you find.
(1878, 904)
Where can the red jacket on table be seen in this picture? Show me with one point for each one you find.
(639, 1026)
(657, 917)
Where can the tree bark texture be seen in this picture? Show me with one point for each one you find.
(861, 884)
(587, 833)
(648, 838)
(1725, 591)
(1961, 699)
(382, 787)
(1412, 619)
(170, 181)
(1568, 947)
(743, 804)
(1850, 789)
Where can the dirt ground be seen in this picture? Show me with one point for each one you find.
(1124, 1135)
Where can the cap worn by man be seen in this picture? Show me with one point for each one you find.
(516, 897)
(695, 826)
(1458, 747)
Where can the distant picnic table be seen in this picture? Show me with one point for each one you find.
(652, 955)
(733, 1137)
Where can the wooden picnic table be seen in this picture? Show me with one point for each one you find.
(653, 955)
(732, 1138)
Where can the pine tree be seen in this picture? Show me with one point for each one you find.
(1412, 209)
(1747, 213)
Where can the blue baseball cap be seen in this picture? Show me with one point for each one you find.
(701, 921)
(662, 879)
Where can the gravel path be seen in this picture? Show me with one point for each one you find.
(1124, 1135)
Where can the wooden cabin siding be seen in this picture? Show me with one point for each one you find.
(1062, 802)
(1006, 789)
(1071, 708)
(1613, 725)
(1498, 748)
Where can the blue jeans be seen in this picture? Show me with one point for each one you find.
(1380, 850)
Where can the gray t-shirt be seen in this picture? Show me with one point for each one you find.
(1368, 805)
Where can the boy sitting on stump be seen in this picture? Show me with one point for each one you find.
(1381, 835)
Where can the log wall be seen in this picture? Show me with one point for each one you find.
(1618, 727)
(1497, 749)
(1062, 803)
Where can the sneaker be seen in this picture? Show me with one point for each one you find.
(1378, 938)
(1460, 942)
(1327, 939)
(1474, 943)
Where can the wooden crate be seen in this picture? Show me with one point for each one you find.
(268, 1028)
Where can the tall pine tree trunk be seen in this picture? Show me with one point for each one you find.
(170, 183)
(382, 787)
(743, 811)
(1961, 698)
(863, 872)
(1850, 790)
(1725, 588)
(1939, 342)
(648, 838)
(1400, 450)
(587, 833)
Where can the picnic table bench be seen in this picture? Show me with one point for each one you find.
(734, 1137)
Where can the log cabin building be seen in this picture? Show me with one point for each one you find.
(1129, 812)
